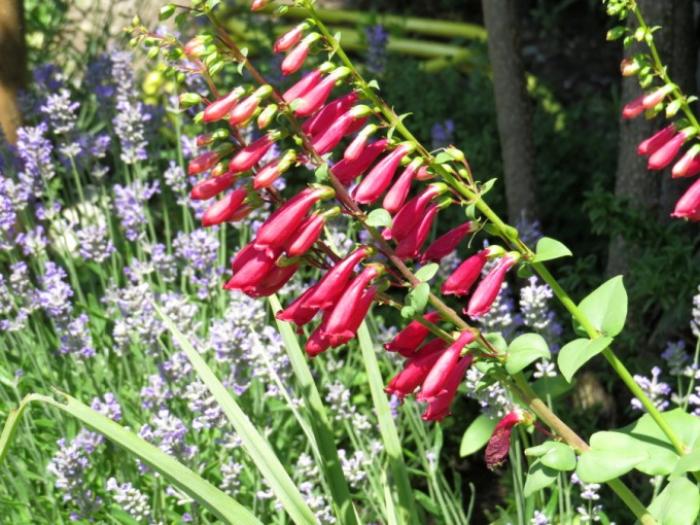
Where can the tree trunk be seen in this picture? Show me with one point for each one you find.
(513, 107)
(12, 65)
(652, 192)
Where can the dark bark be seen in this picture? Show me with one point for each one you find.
(513, 106)
(12, 65)
(652, 192)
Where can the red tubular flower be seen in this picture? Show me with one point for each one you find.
(358, 315)
(688, 165)
(407, 341)
(652, 99)
(296, 57)
(273, 170)
(424, 174)
(414, 373)
(275, 279)
(463, 278)
(633, 109)
(298, 312)
(251, 154)
(317, 342)
(250, 267)
(195, 47)
(658, 139)
(245, 109)
(487, 290)
(212, 186)
(221, 107)
(447, 243)
(303, 86)
(331, 136)
(308, 234)
(410, 245)
(435, 380)
(359, 143)
(289, 39)
(328, 114)
(313, 99)
(346, 171)
(499, 444)
(257, 5)
(381, 175)
(241, 213)
(203, 162)
(396, 196)
(342, 318)
(439, 407)
(334, 282)
(688, 206)
(224, 209)
(411, 212)
(284, 222)
(666, 153)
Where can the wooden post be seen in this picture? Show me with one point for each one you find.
(12, 65)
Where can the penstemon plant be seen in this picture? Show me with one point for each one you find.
(394, 188)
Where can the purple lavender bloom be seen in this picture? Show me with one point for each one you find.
(98, 79)
(99, 145)
(168, 433)
(60, 111)
(155, 395)
(198, 251)
(8, 214)
(134, 502)
(94, 243)
(33, 242)
(175, 178)
(129, 203)
(657, 390)
(377, 38)
(34, 150)
(76, 339)
(54, 294)
(108, 406)
(442, 133)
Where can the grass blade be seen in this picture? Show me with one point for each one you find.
(254, 443)
(406, 508)
(220, 504)
(319, 422)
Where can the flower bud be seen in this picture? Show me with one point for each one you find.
(410, 246)
(290, 38)
(380, 176)
(688, 206)
(273, 170)
(332, 284)
(330, 137)
(257, 5)
(414, 372)
(328, 114)
(298, 312)
(424, 174)
(187, 100)
(652, 99)
(275, 279)
(407, 341)
(434, 383)
(196, 47)
(633, 109)
(359, 143)
(688, 165)
(250, 266)
(629, 67)
(666, 153)
(212, 186)
(463, 278)
(222, 106)
(308, 234)
(411, 212)
(312, 100)
(224, 209)
(245, 109)
(439, 406)
(396, 196)
(297, 56)
(490, 286)
(252, 153)
(207, 160)
(317, 342)
(265, 118)
(658, 139)
(303, 86)
(346, 171)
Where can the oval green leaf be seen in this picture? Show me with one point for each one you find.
(606, 307)
(548, 249)
(578, 352)
(524, 350)
(477, 435)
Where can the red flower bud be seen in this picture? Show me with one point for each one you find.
(488, 289)
(652, 99)
(407, 341)
(203, 162)
(331, 136)
(346, 171)
(633, 109)
(689, 164)
(313, 99)
(251, 154)
(358, 315)
(224, 209)
(463, 278)
(350, 305)
(212, 186)
(273, 170)
(414, 372)
(275, 279)
(317, 342)
(396, 196)
(222, 106)
(241, 213)
(629, 67)
(298, 312)
(410, 245)
(289, 39)
(297, 56)
(439, 406)
(424, 174)
(250, 267)
(284, 222)
(330, 112)
(308, 234)
(434, 384)
(381, 175)
(499, 444)
(411, 212)
(303, 86)
(666, 153)
(447, 243)
(657, 140)
(195, 47)
(334, 282)
(359, 143)
(257, 5)
(688, 206)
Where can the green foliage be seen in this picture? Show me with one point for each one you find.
(524, 350)
(606, 307)
(578, 352)
(477, 435)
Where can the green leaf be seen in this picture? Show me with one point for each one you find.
(166, 12)
(442, 158)
(427, 272)
(427, 503)
(254, 442)
(408, 312)
(321, 173)
(524, 350)
(612, 454)
(559, 457)
(539, 477)
(379, 217)
(548, 249)
(578, 352)
(554, 387)
(678, 503)
(486, 186)
(606, 307)
(477, 435)
(418, 297)
(688, 463)
(387, 429)
(174, 472)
